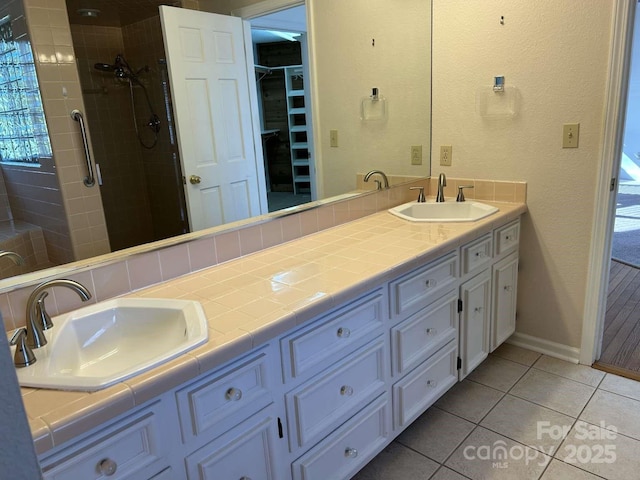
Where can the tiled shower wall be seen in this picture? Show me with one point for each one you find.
(142, 191)
(144, 46)
(115, 147)
(85, 234)
(33, 192)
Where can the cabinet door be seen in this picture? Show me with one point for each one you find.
(474, 322)
(505, 292)
(247, 451)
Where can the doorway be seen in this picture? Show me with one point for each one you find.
(620, 351)
(282, 73)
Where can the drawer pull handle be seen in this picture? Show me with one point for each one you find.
(507, 288)
(343, 332)
(350, 452)
(431, 383)
(431, 283)
(432, 331)
(234, 394)
(107, 467)
(346, 390)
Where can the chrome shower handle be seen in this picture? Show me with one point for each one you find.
(89, 180)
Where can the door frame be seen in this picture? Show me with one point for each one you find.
(605, 198)
(266, 7)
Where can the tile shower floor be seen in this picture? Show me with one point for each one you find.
(521, 415)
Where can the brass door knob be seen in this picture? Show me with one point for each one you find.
(194, 179)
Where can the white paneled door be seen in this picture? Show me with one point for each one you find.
(213, 88)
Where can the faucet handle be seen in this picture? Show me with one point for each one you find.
(24, 355)
(41, 311)
(460, 197)
(421, 197)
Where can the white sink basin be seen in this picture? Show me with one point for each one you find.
(97, 346)
(443, 211)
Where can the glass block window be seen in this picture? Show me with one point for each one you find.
(23, 129)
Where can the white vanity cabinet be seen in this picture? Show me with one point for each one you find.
(488, 294)
(135, 447)
(505, 282)
(321, 400)
(424, 344)
(248, 451)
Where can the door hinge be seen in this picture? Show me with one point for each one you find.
(280, 434)
(612, 185)
(459, 305)
(459, 363)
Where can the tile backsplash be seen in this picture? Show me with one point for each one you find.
(145, 268)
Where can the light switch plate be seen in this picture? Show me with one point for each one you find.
(333, 138)
(570, 135)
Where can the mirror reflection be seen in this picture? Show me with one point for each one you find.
(130, 107)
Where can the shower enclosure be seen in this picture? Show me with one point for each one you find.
(128, 107)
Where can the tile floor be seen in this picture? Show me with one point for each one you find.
(521, 415)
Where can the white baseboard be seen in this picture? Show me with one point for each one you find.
(540, 345)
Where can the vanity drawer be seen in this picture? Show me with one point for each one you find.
(314, 347)
(507, 238)
(477, 255)
(215, 403)
(324, 402)
(349, 448)
(425, 332)
(132, 448)
(423, 386)
(417, 289)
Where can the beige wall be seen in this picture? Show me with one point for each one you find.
(557, 56)
(348, 65)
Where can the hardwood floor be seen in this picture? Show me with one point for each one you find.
(621, 339)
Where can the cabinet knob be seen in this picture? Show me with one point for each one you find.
(432, 332)
(507, 288)
(431, 383)
(343, 332)
(508, 237)
(346, 390)
(477, 309)
(107, 467)
(431, 283)
(244, 477)
(350, 452)
(479, 254)
(234, 394)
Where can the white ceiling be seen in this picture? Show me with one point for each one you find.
(292, 20)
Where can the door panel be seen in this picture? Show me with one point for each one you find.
(216, 125)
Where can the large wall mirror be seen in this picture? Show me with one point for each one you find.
(313, 89)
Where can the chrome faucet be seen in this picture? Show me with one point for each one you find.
(17, 259)
(381, 173)
(35, 308)
(442, 182)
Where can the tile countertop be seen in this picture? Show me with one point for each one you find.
(253, 299)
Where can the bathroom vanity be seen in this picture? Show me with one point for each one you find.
(316, 391)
